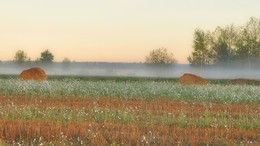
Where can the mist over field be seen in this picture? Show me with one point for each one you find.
(136, 70)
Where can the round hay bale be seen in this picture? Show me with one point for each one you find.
(243, 82)
(33, 74)
(190, 79)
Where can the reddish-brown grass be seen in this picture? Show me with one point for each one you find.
(154, 106)
(114, 133)
(106, 133)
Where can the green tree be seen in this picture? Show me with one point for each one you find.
(200, 55)
(160, 56)
(46, 57)
(20, 57)
(248, 45)
(227, 45)
(223, 44)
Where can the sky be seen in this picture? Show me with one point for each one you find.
(113, 30)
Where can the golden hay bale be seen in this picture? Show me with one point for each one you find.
(189, 79)
(33, 74)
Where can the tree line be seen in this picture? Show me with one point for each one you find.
(46, 57)
(227, 46)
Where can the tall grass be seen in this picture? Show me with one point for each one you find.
(129, 90)
(101, 115)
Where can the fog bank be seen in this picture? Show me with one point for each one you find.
(135, 70)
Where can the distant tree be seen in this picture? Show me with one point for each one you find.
(228, 45)
(248, 45)
(66, 60)
(221, 54)
(66, 63)
(252, 34)
(223, 44)
(160, 56)
(200, 55)
(29, 59)
(20, 57)
(37, 61)
(46, 57)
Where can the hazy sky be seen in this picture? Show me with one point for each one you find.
(112, 30)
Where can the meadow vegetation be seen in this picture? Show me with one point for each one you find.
(127, 111)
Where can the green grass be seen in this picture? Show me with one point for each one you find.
(129, 89)
(112, 78)
(122, 79)
(97, 78)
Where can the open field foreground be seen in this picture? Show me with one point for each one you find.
(74, 112)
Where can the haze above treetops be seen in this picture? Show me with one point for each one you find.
(113, 31)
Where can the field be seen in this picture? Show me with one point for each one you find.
(127, 111)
